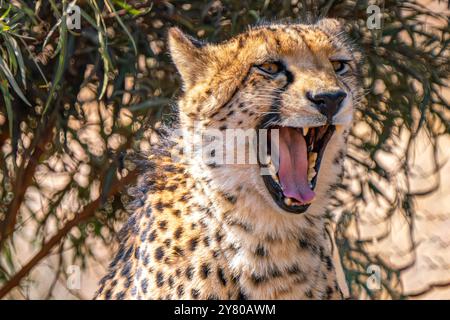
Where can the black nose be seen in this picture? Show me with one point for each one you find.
(328, 103)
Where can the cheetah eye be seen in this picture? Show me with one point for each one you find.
(340, 66)
(270, 67)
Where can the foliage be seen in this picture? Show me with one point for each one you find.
(75, 103)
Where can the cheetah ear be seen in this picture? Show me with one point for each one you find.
(329, 25)
(186, 53)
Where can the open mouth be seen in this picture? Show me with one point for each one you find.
(292, 181)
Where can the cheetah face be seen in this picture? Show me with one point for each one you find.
(300, 81)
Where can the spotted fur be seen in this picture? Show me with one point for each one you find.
(211, 231)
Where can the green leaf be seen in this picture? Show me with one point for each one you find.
(7, 73)
(18, 54)
(62, 44)
(119, 20)
(9, 110)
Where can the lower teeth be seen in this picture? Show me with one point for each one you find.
(311, 174)
(288, 201)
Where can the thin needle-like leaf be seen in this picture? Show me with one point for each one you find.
(7, 73)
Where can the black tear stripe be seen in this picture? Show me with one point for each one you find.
(274, 114)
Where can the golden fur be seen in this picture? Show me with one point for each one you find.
(214, 232)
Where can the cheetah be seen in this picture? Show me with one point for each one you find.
(213, 230)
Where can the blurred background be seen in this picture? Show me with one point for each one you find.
(78, 102)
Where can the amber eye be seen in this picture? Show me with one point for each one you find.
(270, 67)
(340, 66)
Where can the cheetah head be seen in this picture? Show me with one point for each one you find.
(296, 79)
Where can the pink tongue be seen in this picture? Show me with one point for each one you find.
(293, 171)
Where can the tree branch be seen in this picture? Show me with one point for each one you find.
(87, 212)
(23, 180)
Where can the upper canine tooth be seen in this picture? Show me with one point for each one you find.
(305, 130)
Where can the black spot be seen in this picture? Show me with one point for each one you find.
(137, 253)
(219, 236)
(108, 294)
(126, 269)
(243, 226)
(178, 251)
(221, 276)
(146, 259)
(206, 241)
(235, 278)
(223, 127)
(159, 206)
(143, 235)
(120, 295)
(159, 279)
(329, 292)
(189, 272)
(242, 296)
(309, 293)
(159, 253)
(204, 270)
(144, 285)
(167, 242)
(230, 198)
(171, 187)
(261, 251)
(304, 244)
(185, 197)
(294, 269)
(213, 297)
(169, 168)
(180, 290)
(152, 236)
(195, 293)
(177, 212)
(193, 244)
(257, 279)
(178, 232)
(275, 272)
(170, 281)
(329, 263)
(163, 225)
